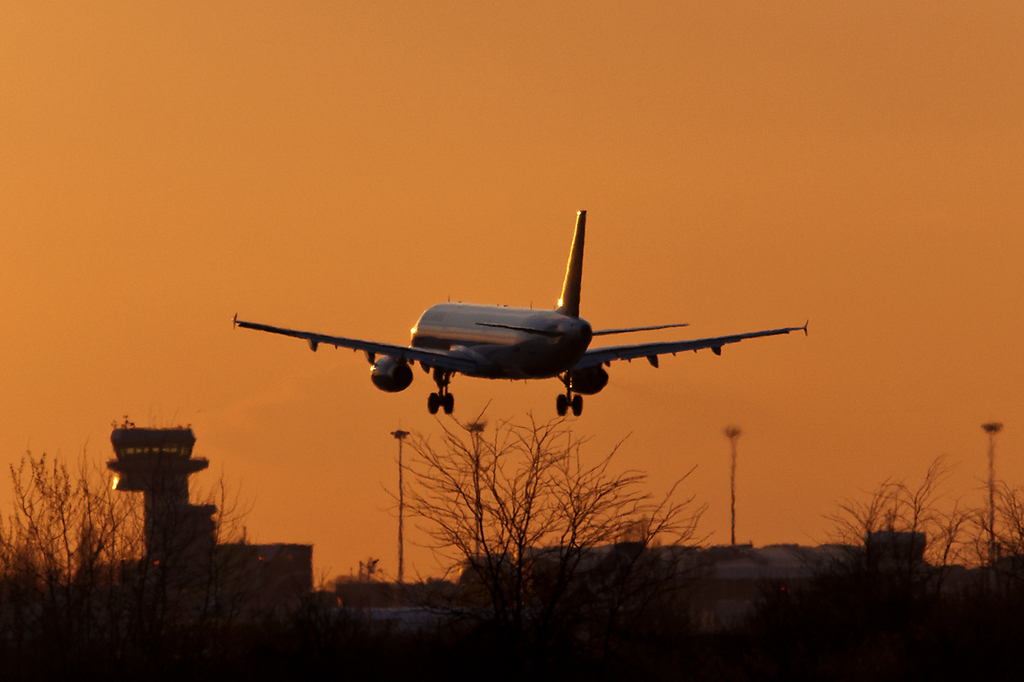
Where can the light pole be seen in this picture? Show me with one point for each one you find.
(400, 436)
(992, 428)
(476, 428)
(733, 433)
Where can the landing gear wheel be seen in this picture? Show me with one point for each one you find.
(577, 405)
(562, 405)
(442, 398)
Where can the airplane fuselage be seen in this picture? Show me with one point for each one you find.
(507, 343)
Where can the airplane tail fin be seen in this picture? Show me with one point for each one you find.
(569, 303)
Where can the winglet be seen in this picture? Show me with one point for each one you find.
(569, 302)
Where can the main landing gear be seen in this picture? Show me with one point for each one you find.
(442, 398)
(567, 400)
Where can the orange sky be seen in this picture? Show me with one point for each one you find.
(340, 167)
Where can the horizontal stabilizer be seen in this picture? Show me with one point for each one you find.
(626, 330)
(553, 333)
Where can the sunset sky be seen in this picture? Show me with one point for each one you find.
(341, 166)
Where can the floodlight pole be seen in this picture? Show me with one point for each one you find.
(400, 435)
(476, 428)
(992, 428)
(732, 433)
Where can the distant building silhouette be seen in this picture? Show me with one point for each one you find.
(267, 576)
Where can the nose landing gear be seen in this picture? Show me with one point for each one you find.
(567, 400)
(442, 398)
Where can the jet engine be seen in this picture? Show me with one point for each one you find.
(391, 375)
(588, 381)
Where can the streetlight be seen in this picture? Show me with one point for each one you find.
(732, 433)
(400, 436)
(992, 428)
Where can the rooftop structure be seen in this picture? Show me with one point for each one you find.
(155, 460)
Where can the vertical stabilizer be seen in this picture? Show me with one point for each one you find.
(569, 303)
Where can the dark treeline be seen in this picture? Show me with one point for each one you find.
(560, 569)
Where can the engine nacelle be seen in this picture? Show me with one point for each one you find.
(391, 375)
(588, 381)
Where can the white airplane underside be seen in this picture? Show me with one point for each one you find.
(498, 342)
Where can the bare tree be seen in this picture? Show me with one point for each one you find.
(63, 551)
(82, 582)
(900, 527)
(533, 526)
(1007, 514)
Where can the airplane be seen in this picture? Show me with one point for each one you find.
(499, 342)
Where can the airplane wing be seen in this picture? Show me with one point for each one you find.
(599, 356)
(446, 360)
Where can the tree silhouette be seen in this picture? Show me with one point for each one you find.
(522, 516)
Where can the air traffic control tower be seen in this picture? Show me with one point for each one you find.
(157, 463)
